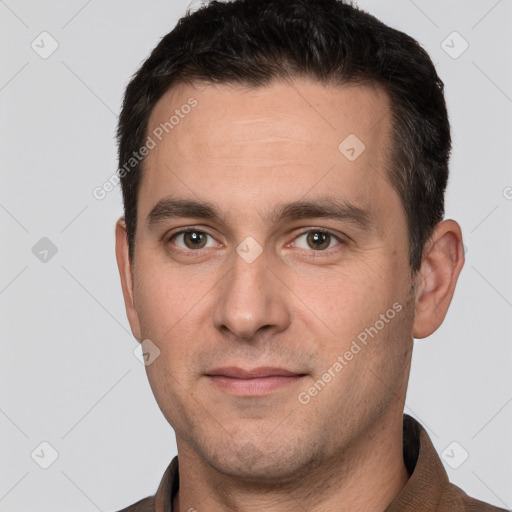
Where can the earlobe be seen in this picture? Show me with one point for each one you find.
(125, 272)
(443, 260)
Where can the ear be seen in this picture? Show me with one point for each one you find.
(126, 273)
(443, 259)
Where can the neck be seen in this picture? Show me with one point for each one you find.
(366, 477)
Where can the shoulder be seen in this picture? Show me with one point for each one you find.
(429, 488)
(455, 499)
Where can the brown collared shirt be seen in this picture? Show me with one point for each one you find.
(428, 488)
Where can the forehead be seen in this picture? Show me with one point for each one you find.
(282, 141)
(303, 109)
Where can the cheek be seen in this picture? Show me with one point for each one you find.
(164, 311)
(344, 302)
(164, 294)
(155, 303)
(174, 307)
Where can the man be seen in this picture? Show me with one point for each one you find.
(283, 166)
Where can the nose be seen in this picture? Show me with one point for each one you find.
(251, 299)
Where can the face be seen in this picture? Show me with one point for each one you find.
(271, 271)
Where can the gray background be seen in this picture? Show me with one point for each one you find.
(68, 373)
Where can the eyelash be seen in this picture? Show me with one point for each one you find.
(191, 252)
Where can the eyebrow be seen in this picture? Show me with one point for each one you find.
(326, 208)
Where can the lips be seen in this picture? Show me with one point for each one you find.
(254, 381)
(254, 373)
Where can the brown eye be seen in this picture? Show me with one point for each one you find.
(191, 239)
(194, 239)
(317, 240)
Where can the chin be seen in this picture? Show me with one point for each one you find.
(268, 463)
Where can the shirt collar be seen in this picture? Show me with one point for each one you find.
(428, 478)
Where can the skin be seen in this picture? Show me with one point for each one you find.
(295, 306)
